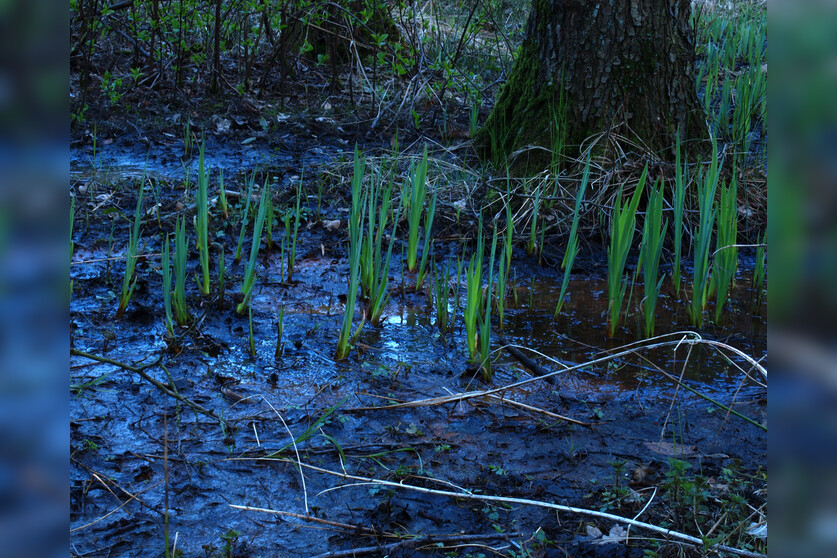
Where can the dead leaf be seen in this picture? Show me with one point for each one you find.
(593, 532)
(618, 534)
(223, 126)
(671, 449)
(332, 225)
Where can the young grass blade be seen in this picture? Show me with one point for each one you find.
(428, 228)
(280, 330)
(181, 247)
(707, 184)
(222, 194)
(485, 324)
(622, 227)
(292, 251)
(129, 281)
(418, 192)
(653, 235)
(166, 267)
(473, 295)
(250, 270)
(202, 223)
(726, 251)
(245, 219)
(572, 243)
(355, 247)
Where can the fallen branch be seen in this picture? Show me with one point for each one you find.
(682, 537)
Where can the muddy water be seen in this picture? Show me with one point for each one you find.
(129, 439)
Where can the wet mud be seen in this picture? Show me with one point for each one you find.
(143, 463)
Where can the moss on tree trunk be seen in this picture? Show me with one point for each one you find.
(623, 63)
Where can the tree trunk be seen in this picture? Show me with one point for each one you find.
(602, 63)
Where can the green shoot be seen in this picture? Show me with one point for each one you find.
(485, 324)
(428, 227)
(202, 223)
(653, 235)
(533, 225)
(374, 266)
(250, 270)
(222, 195)
(572, 243)
(245, 219)
(250, 337)
(166, 267)
(759, 270)
(418, 192)
(440, 295)
(707, 183)
(473, 295)
(355, 247)
(181, 246)
(622, 228)
(129, 281)
(726, 251)
(268, 222)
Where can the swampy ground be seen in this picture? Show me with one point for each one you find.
(616, 436)
(192, 446)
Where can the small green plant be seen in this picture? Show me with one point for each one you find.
(268, 225)
(707, 183)
(485, 324)
(653, 235)
(250, 270)
(473, 295)
(759, 269)
(374, 264)
(129, 281)
(346, 338)
(726, 251)
(181, 313)
(440, 295)
(622, 228)
(572, 243)
(166, 267)
(245, 219)
(425, 253)
(202, 223)
(222, 194)
(418, 192)
(280, 330)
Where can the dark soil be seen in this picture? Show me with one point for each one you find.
(138, 454)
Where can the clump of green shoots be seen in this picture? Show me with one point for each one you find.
(374, 265)
(268, 222)
(250, 269)
(679, 202)
(707, 183)
(425, 253)
(129, 281)
(485, 323)
(622, 228)
(166, 268)
(245, 219)
(418, 193)
(346, 338)
(653, 235)
(726, 252)
(181, 313)
(473, 295)
(572, 243)
(202, 223)
(440, 294)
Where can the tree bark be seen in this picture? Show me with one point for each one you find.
(625, 63)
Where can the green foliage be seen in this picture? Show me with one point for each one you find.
(250, 269)
(418, 192)
(653, 235)
(166, 268)
(245, 218)
(202, 223)
(128, 280)
(473, 295)
(346, 338)
(622, 228)
(707, 183)
(572, 243)
(726, 251)
(181, 247)
(679, 203)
